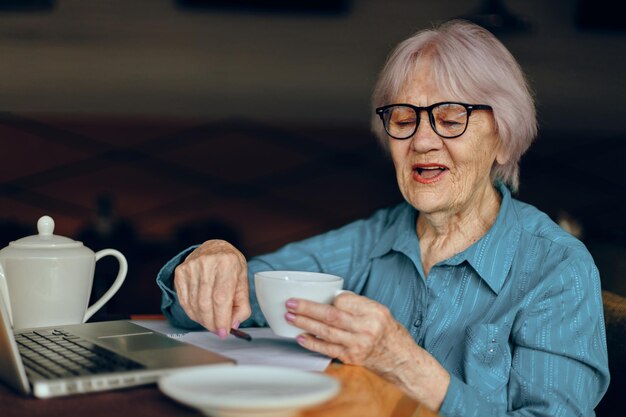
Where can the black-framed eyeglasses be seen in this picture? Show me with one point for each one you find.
(448, 119)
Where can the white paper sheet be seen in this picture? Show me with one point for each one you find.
(265, 348)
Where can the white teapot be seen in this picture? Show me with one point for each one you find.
(46, 279)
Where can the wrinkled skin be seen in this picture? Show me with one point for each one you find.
(212, 286)
(457, 206)
(360, 331)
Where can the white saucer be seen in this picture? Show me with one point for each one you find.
(249, 390)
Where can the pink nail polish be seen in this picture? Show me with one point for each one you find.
(300, 339)
(291, 303)
(235, 324)
(290, 316)
(221, 333)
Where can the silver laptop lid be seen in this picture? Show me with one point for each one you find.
(157, 353)
(11, 367)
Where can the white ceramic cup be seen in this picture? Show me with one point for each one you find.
(274, 288)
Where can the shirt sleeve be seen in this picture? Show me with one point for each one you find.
(559, 364)
(343, 252)
(169, 300)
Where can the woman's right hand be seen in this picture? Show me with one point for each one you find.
(212, 286)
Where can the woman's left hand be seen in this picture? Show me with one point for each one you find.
(359, 331)
(354, 329)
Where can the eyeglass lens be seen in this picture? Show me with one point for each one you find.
(448, 120)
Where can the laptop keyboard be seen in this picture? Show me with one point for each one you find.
(57, 354)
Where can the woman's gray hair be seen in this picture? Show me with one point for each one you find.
(471, 65)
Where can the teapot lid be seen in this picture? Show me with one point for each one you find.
(45, 238)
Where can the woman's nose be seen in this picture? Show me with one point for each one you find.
(425, 139)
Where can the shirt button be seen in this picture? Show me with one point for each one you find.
(417, 323)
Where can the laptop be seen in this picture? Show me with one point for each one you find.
(65, 360)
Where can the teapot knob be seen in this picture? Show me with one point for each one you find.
(45, 226)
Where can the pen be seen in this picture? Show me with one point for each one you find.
(241, 335)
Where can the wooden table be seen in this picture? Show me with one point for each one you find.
(363, 394)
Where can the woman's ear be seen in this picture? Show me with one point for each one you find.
(502, 154)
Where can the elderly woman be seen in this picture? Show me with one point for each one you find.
(475, 303)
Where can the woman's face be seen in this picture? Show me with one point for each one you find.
(437, 175)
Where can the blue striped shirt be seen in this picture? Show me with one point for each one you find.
(516, 318)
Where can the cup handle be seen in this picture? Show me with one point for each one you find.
(4, 293)
(119, 280)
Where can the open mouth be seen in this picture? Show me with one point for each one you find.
(428, 172)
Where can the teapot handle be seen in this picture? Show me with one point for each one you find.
(119, 280)
(4, 293)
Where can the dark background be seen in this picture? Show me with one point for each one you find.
(148, 125)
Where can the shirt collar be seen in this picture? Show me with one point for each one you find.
(401, 235)
(491, 256)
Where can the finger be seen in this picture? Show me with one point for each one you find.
(353, 303)
(321, 330)
(368, 316)
(314, 344)
(180, 286)
(240, 314)
(222, 298)
(326, 313)
(241, 308)
(198, 290)
(241, 304)
(353, 348)
(200, 308)
(193, 282)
